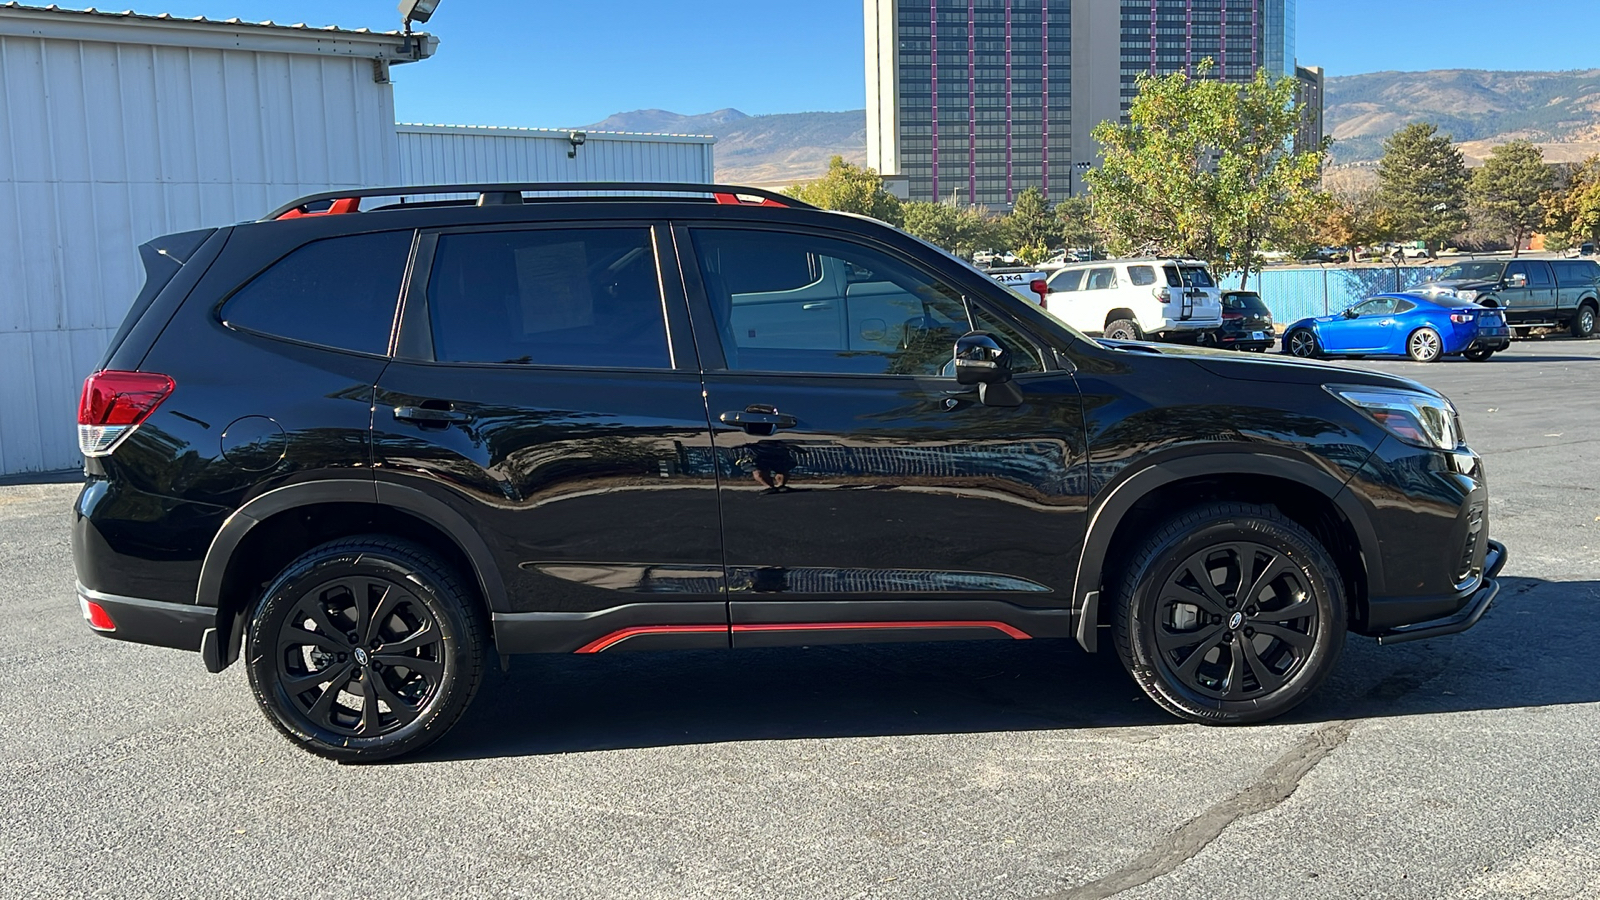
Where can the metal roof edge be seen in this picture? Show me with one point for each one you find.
(51, 22)
(554, 133)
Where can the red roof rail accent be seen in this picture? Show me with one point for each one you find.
(339, 207)
(733, 200)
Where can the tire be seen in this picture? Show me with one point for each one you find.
(1583, 322)
(1123, 330)
(1479, 355)
(433, 633)
(1302, 343)
(1424, 345)
(1259, 656)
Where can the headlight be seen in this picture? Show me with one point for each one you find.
(1467, 295)
(1421, 420)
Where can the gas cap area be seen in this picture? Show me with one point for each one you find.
(254, 443)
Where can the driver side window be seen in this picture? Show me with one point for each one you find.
(800, 303)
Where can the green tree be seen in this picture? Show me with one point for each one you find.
(1508, 191)
(1031, 226)
(1422, 185)
(1572, 212)
(961, 230)
(1205, 168)
(1075, 223)
(848, 187)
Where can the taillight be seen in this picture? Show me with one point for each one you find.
(1462, 318)
(1163, 294)
(113, 404)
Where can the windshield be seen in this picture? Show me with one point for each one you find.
(1473, 271)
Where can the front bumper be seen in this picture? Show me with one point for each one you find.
(1467, 616)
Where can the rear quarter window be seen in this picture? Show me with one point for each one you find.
(338, 292)
(1141, 275)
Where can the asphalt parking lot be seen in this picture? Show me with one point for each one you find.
(1463, 767)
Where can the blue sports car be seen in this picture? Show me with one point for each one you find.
(1423, 328)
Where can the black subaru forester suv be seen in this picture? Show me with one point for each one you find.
(371, 450)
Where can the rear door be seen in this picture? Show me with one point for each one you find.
(865, 495)
(546, 389)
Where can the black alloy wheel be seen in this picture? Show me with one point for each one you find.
(1424, 345)
(364, 649)
(1303, 344)
(1230, 613)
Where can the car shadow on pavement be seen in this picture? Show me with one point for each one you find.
(1526, 653)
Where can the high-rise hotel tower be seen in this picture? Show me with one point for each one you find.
(976, 100)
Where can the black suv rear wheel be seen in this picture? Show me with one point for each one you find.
(1230, 613)
(365, 649)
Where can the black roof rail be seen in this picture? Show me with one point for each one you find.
(346, 201)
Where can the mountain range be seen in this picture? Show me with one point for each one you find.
(1560, 111)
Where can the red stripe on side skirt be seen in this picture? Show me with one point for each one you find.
(1014, 633)
(617, 637)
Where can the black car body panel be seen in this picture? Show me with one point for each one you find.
(636, 506)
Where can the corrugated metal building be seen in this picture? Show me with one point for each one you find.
(455, 154)
(116, 128)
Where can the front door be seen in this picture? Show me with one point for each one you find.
(548, 392)
(865, 495)
(1371, 329)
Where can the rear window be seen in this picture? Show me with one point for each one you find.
(1576, 272)
(1195, 276)
(338, 292)
(1244, 302)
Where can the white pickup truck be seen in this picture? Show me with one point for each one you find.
(1022, 281)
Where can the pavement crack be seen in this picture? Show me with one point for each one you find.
(1276, 785)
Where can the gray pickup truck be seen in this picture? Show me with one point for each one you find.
(1535, 293)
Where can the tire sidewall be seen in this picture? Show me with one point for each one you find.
(284, 594)
(1143, 608)
(1128, 326)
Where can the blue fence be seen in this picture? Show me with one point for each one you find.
(1296, 293)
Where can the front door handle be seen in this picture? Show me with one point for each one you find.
(758, 419)
(425, 415)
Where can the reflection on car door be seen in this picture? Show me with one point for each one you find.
(1369, 331)
(856, 473)
(540, 392)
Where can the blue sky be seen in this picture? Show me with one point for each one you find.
(541, 63)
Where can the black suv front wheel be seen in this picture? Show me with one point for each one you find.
(364, 649)
(1230, 613)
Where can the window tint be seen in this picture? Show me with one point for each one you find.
(573, 297)
(1142, 275)
(1173, 278)
(1066, 280)
(1101, 279)
(1403, 306)
(1377, 306)
(1244, 301)
(1577, 273)
(1518, 268)
(1197, 277)
(1539, 275)
(338, 292)
(864, 313)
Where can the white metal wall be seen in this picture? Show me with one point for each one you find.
(434, 154)
(104, 146)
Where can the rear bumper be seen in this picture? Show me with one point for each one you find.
(1186, 325)
(182, 626)
(1478, 603)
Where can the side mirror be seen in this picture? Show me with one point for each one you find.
(1518, 280)
(1041, 287)
(1351, 314)
(980, 360)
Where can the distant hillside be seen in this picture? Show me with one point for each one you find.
(1558, 110)
(778, 149)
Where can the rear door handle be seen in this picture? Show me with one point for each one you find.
(430, 416)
